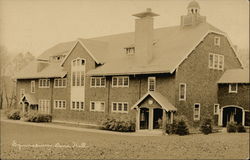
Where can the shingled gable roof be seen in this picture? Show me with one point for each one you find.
(159, 98)
(172, 46)
(53, 70)
(235, 76)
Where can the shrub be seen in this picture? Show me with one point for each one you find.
(118, 125)
(171, 128)
(231, 127)
(206, 126)
(182, 128)
(240, 128)
(33, 116)
(14, 114)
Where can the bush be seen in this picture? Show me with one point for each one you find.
(171, 128)
(231, 127)
(182, 128)
(118, 125)
(206, 126)
(241, 128)
(33, 116)
(14, 114)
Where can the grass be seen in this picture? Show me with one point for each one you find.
(106, 146)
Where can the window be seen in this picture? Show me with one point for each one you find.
(59, 104)
(196, 111)
(77, 105)
(60, 82)
(216, 109)
(233, 88)
(182, 92)
(32, 87)
(97, 106)
(120, 107)
(78, 62)
(44, 83)
(217, 41)
(98, 82)
(78, 78)
(216, 61)
(22, 92)
(120, 81)
(151, 83)
(44, 106)
(130, 50)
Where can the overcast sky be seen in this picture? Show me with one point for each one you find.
(34, 26)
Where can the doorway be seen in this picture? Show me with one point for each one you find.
(232, 114)
(157, 120)
(144, 118)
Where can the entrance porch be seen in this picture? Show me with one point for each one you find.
(28, 103)
(153, 111)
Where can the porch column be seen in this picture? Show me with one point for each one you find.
(138, 119)
(171, 117)
(243, 117)
(221, 117)
(151, 118)
(23, 107)
(164, 118)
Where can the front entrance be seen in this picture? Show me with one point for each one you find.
(144, 118)
(232, 114)
(158, 113)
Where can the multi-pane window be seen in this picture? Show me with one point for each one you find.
(44, 106)
(59, 104)
(98, 82)
(78, 62)
(44, 83)
(217, 41)
(130, 50)
(77, 105)
(196, 111)
(60, 82)
(151, 83)
(120, 81)
(32, 87)
(216, 109)
(182, 92)
(233, 88)
(120, 107)
(22, 92)
(216, 61)
(78, 78)
(97, 106)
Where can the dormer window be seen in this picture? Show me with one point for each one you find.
(130, 50)
(217, 41)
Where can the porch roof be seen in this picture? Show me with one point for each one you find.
(30, 99)
(163, 101)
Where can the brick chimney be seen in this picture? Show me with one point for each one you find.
(144, 26)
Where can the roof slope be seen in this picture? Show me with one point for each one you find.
(59, 49)
(170, 48)
(235, 76)
(30, 71)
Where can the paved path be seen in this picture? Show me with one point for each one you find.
(51, 125)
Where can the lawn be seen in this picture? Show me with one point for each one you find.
(57, 143)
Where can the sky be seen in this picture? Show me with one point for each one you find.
(36, 25)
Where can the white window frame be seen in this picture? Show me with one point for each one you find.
(97, 103)
(199, 113)
(185, 92)
(217, 43)
(236, 88)
(216, 109)
(95, 79)
(220, 59)
(57, 106)
(80, 103)
(120, 77)
(56, 85)
(154, 79)
(47, 81)
(32, 86)
(117, 111)
(44, 106)
(130, 50)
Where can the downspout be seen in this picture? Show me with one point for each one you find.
(51, 103)
(109, 96)
(139, 88)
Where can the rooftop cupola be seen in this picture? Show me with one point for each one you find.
(193, 16)
(144, 27)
